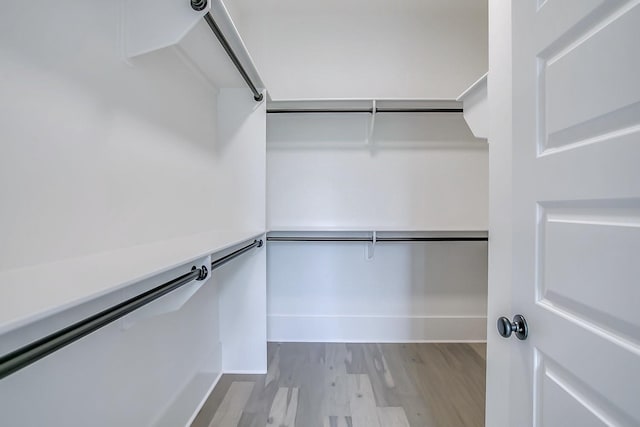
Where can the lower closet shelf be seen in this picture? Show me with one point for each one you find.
(375, 236)
(31, 353)
(33, 293)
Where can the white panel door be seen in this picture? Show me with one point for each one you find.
(576, 212)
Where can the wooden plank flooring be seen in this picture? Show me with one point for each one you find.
(355, 385)
(230, 410)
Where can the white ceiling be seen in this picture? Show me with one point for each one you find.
(324, 49)
(335, 6)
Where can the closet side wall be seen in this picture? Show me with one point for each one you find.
(100, 154)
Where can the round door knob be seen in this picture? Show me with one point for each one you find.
(519, 326)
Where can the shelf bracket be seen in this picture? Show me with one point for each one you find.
(169, 304)
(370, 249)
(372, 123)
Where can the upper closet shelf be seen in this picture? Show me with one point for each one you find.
(476, 107)
(33, 293)
(200, 31)
(387, 119)
(365, 106)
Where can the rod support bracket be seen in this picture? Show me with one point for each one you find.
(260, 243)
(203, 272)
(198, 5)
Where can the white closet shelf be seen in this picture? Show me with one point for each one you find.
(154, 26)
(33, 293)
(361, 104)
(476, 107)
(478, 84)
(375, 236)
(380, 113)
(386, 231)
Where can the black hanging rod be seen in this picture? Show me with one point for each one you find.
(419, 110)
(318, 110)
(225, 259)
(199, 5)
(378, 239)
(30, 353)
(361, 110)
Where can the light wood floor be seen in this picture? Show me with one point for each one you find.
(355, 385)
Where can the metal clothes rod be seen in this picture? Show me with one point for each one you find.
(199, 5)
(30, 353)
(419, 110)
(432, 239)
(319, 239)
(318, 110)
(225, 259)
(378, 239)
(362, 110)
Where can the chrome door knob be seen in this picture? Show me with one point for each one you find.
(519, 326)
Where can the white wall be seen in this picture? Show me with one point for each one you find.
(98, 154)
(365, 48)
(420, 172)
(406, 292)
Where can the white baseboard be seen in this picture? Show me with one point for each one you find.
(204, 400)
(245, 372)
(215, 361)
(188, 401)
(294, 328)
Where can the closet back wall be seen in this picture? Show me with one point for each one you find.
(417, 173)
(309, 49)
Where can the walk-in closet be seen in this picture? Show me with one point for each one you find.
(220, 213)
